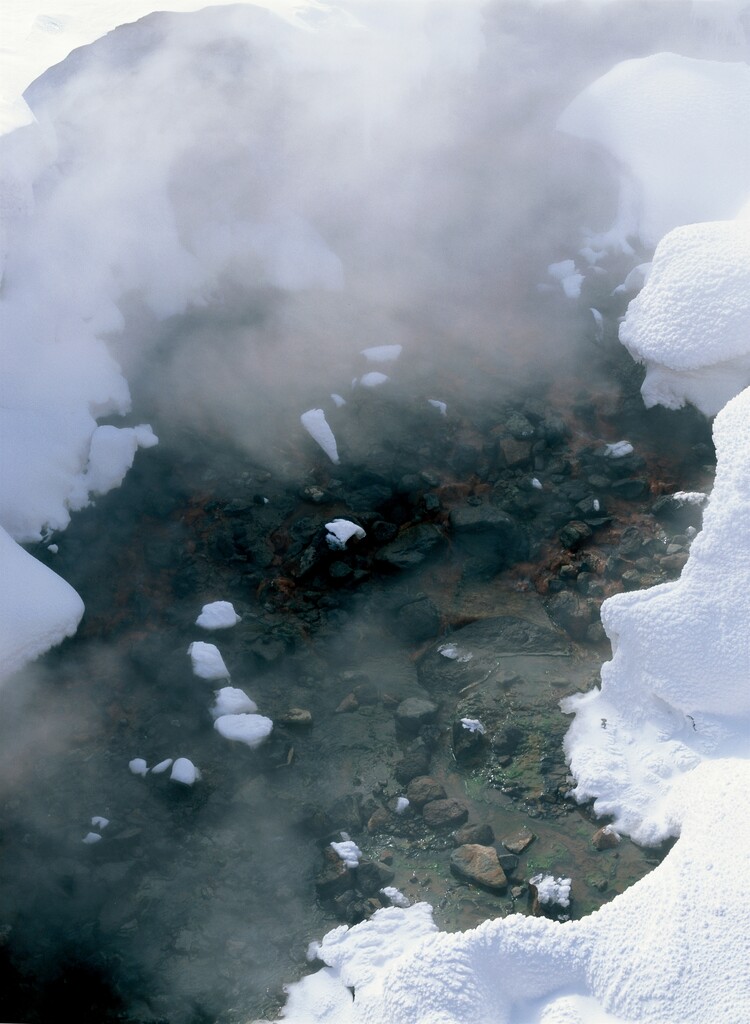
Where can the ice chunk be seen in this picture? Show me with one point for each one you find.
(138, 766)
(184, 771)
(382, 353)
(315, 423)
(349, 852)
(232, 701)
(217, 615)
(207, 661)
(244, 728)
(340, 531)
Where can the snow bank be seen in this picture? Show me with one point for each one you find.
(678, 130)
(676, 690)
(691, 323)
(38, 609)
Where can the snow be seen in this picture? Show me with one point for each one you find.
(373, 379)
(91, 837)
(618, 450)
(207, 661)
(38, 609)
(401, 804)
(162, 766)
(340, 531)
(315, 423)
(677, 128)
(690, 325)
(338, 401)
(244, 728)
(217, 615)
(473, 725)
(570, 280)
(382, 353)
(395, 897)
(138, 766)
(552, 891)
(440, 406)
(232, 701)
(536, 483)
(100, 822)
(349, 852)
(184, 772)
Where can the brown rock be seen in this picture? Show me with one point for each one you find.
(605, 838)
(445, 813)
(474, 834)
(515, 453)
(479, 864)
(334, 878)
(519, 841)
(423, 789)
(378, 819)
(298, 717)
(349, 703)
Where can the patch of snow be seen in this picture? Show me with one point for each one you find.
(249, 729)
(551, 890)
(138, 766)
(373, 379)
(536, 483)
(340, 531)
(100, 822)
(162, 766)
(395, 897)
(232, 701)
(184, 772)
(473, 725)
(570, 280)
(618, 450)
(440, 406)
(401, 804)
(382, 353)
(53, 548)
(207, 661)
(635, 280)
(218, 615)
(349, 852)
(338, 401)
(454, 652)
(315, 423)
(91, 837)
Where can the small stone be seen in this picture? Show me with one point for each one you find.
(386, 856)
(422, 789)
(445, 813)
(372, 876)
(334, 878)
(378, 820)
(297, 717)
(574, 534)
(631, 489)
(515, 453)
(519, 841)
(467, 742)
(415, 712)
(605, 838)
(349, 703)
(414, 762)
(479, 864)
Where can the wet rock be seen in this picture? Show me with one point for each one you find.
(411, 547)
(631, 579)
(508, 862)
(340, 571)
(445, 813)
(571, 612)
(334, 878)
(506, 740)
(605, 838)
(519, 427)
(473, 835)
(631, 542)
(629, 490)
(514, 453)
(417, 619)
(423, 789)
(379, 820)
(468, 743)
(554, 429)
(413, 713)
(382, 532)
(347, 705)
(519, 841)
(574, 534)
(674, 562)
(479, 864)
(414, 762)
(371, 876)
(595, 633)
(677, 512)
(489, 536)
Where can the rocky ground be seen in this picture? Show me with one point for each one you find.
(492, 536)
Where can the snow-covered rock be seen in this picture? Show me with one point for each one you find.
(184, 772)
(217, 615)
(207, 661)
(249, 729)
(340, 532)
(348, 851)
(382, 353)
(315, 423)
(232, 701)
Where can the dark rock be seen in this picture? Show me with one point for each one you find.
(417, 620)
(413, 713)
(423, 789)
(677, 512)
(479, 864)
(519, 427)
(554, 429)
(411, 547)
(468, 744)
(571, 612)
(334, 878)
(340, 570)
(631, 579)
(573, 534)
(474, 834)
(371, 876)
(508, 862)
(506, 739)
(605, 838)
(629, 490)
(378, 820)
(515, 453)
(297, 717)
(631, 542)
(519, 841)
(445, 813)
(488, 535)
(382, 532)
(414, 762)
